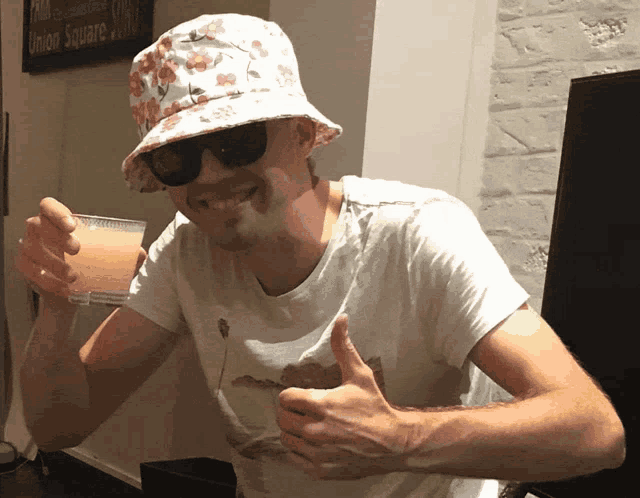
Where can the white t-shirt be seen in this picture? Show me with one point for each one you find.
(421, 284)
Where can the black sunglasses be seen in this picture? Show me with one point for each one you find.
(179, 163)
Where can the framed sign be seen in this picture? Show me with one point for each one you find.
(63, 33)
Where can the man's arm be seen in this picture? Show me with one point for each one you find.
(560, 424)
(67, 393)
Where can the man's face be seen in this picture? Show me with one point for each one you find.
(238, 208)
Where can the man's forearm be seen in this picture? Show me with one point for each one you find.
(554, 436)
(55, 392)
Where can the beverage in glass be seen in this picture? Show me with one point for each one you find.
(107, 258)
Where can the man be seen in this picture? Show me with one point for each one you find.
(344, 327)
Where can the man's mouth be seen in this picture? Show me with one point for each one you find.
(212, 201)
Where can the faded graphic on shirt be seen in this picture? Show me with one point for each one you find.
(310, 375)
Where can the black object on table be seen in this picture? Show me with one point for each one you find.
(188, 478)
(59, 475)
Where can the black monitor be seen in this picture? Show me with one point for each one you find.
(592, 287)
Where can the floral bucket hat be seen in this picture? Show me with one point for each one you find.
(211, 73)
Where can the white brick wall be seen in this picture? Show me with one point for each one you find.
(540, 46)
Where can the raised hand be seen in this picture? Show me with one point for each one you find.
(344, 433)
(48, 236)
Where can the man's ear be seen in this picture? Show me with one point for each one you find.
(306, 131)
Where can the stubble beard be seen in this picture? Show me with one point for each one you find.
(254, 231)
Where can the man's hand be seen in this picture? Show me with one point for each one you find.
(348, 432)
(41, 259)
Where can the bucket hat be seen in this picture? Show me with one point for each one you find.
(212, 73)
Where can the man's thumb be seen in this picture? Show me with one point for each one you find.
(345, 352)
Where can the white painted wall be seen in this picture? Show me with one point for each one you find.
(427, 97)
(476, 120)
(332, 40)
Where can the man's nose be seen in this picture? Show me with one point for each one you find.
(212, 170)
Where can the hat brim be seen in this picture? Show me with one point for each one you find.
(230, 111)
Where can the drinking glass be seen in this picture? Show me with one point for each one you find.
(107, 258)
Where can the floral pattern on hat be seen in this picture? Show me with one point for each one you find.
(136, 86)
(227, 80)
(167, 73)
(202, 76)
(256, 48)
(212, 29)
(169, 111)
(170, 123)
(199, 60)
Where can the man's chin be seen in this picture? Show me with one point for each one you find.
(235, 246)
(233, 243)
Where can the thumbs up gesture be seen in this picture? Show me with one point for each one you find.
(344, 433)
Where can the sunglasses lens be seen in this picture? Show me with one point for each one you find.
(179, 163)
(242, 145)
(175, 165)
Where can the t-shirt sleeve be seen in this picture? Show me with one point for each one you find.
(153, 292)
(467, 286)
